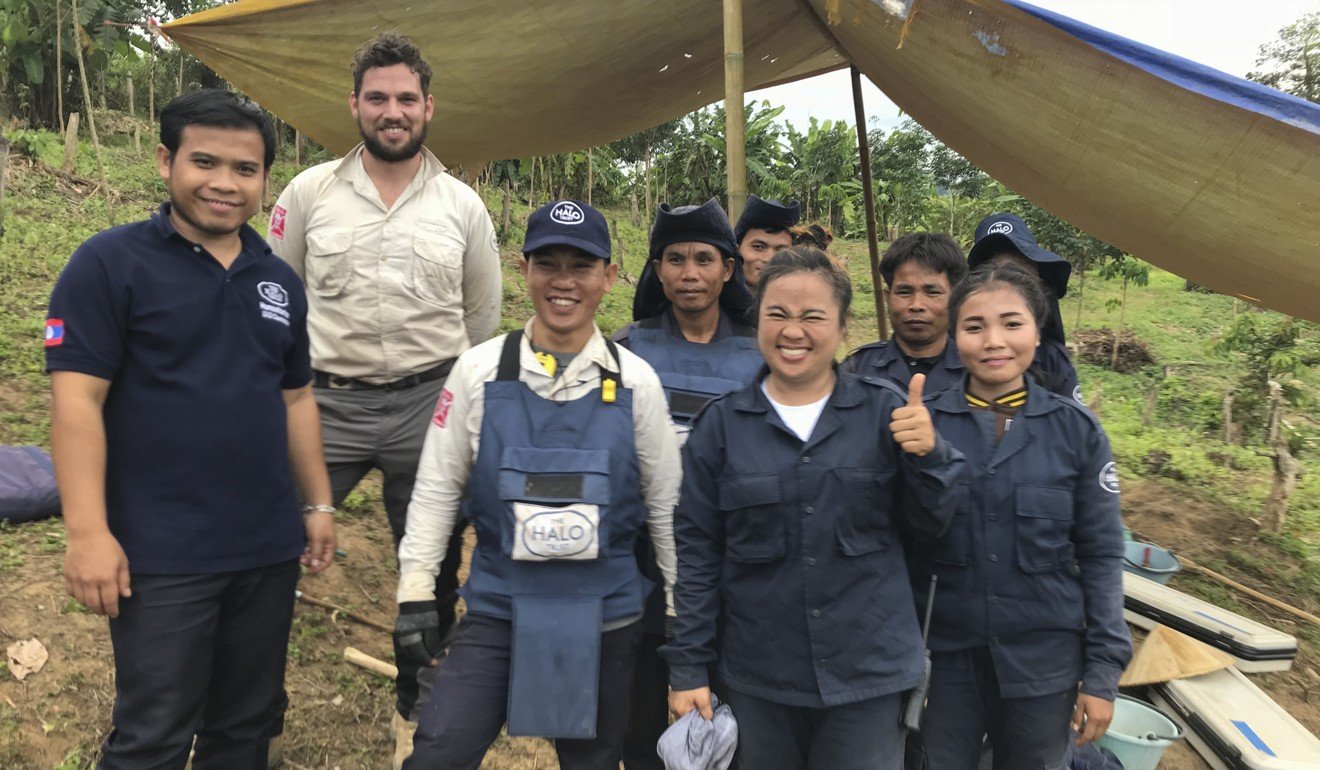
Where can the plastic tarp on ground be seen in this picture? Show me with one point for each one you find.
(1201, 173)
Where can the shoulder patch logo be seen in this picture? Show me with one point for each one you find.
(1109, 478)
(54, 332)
(273, 293)
(277, 217)
(1000, 228)
(1077, 395)
(442, 405)
(568, 213)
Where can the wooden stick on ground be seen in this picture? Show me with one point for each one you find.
(364, 620)
(359, 658)
(1253, 593)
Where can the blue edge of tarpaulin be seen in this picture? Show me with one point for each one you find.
(1198, 78)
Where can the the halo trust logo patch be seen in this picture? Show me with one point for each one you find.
(567, 213)
(1000, 228)
(273, 293)
(1109, 478)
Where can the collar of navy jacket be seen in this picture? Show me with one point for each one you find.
(848, 391)
(891, 352)
(1039, 400)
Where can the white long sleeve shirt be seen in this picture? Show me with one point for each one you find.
(453, 439)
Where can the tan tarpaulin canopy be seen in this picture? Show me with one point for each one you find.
(1218, 192)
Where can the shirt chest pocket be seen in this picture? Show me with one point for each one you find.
(754, 530)
(1043, 522)
(327, 266)
(864, 523)
(436, 272)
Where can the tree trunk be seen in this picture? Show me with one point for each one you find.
(1286, 467)
(4, 175)
(91, 121)
(137, 141)
(531, 186)
(71, 142)
(151, 82)
(636, 221)
(590, 175)
(504, 214)
(59, 68)
(646, 165)
(1118, 334)
(1081, 291)
(1230, 430)
(132, 102)
(297, 147)
(178, 85)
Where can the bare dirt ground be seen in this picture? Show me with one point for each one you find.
(339, 714)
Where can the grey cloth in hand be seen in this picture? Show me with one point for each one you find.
(693, 743)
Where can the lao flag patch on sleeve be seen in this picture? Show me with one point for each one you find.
(277, 217)
(441, 415)
(54, 332)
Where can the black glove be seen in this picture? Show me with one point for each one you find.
(417, 632)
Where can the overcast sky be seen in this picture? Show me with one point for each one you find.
(1224, 34)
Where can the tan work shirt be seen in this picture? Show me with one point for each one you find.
(453, 438)
(391, 291)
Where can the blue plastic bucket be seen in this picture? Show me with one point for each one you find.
(1139, 734)
(1150, 561)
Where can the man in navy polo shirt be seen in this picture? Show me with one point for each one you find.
(184, 434)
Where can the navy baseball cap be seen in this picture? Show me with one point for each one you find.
(568, 223)
(1002, 232)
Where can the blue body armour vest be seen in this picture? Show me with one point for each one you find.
(554, 458)
(694, 372)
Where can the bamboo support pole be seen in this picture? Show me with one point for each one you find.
(353, 616)
(734, 126)
(868, 196)
(87, 104)
(71, 142)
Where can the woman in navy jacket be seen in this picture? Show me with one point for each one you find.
(789, 531)
(1028, 638)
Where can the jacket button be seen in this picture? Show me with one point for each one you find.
(994, 557)
(815, 613)
(993, 517)
(990, 472)
(809, 509)
(806, 459)
(820, 662)
(811, 561)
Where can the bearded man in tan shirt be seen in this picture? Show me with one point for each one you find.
(402, 275)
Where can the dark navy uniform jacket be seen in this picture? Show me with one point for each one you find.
(1052, 367)
(1031, 566)
(792, 551)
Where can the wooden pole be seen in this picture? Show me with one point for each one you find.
(353, 616)
(590, 181)
(132, 102)
(868, 196)
(151, 79)
(359, 658)
(91, 121)
(4, 174)
(59, 68)
(71, 142)
(735, 149)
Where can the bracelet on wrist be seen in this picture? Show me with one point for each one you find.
(320, 508)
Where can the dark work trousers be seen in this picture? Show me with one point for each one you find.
(964, 704)
(200, 655)
(384, 429)
(650, 706)
(866, 735)
(459, 725)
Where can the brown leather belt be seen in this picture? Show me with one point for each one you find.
(322, 379)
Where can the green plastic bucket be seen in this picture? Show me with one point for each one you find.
(1139, 734)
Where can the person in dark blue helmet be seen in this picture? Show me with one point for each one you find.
(764, 229)
(692, 307)
(799, 491)
(1027, 636)
(1004, 238)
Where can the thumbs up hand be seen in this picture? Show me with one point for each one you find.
(910, 424)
